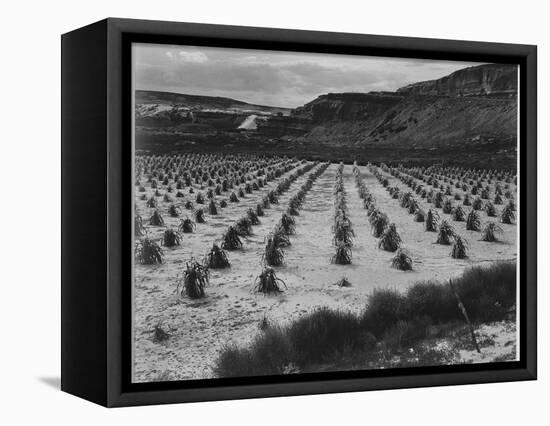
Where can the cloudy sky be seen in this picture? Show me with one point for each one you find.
(285, 79)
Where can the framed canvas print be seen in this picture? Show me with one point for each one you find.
(252, 212)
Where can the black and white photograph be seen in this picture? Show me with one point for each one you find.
(299, 212)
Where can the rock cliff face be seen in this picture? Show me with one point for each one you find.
(484, 80)
(332, 108)
(473, 110)
(476, 105)
(347, 106)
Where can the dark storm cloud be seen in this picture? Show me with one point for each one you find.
(274, 78)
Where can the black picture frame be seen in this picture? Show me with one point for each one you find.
(96, 181)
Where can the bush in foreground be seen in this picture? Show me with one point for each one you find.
(389, 320)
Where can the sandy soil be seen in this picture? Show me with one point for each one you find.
(231, 312)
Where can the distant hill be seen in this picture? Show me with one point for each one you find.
(199, 102)
(469, 116)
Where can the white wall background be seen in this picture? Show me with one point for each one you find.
(30, 211)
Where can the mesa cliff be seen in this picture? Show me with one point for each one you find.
(469, 114)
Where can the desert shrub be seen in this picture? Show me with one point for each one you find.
(139, 229)
(293, 207)
(148, 252)
(402, 261)
(460, 246)
(491, 232)
(430, 299)
(171, 238)
(477, 204)
(199, 216)
(384, 308)
(497, 199)
(445, 234)
(194, 280)
(159, 335)
(152, 202)
(419, 215)
(189, 205)
(467, 201)
(173, 210)
(212, 208)
(233, 198)
(378, 222)
(288, 224)
(199, 199)
(405, 199)
(259, 210)
(240, 192)
(432, 220)
(458, 197)
(342, 255)
(223, 204)
(156, 219)
(507, 216)
(265, 202)
(167, 198)
(186, 226)
(488, 292)
(274, 254)
(268, 282)
(484, 194)
(473, 222)
(390, 239)
(437, 200)
(458, 214)
(231, 239)
(244, 227)
(272, 197)
(343, 282)
(216, 258)
(326, 334)
(269, 353)
(447, 206)
(490, 209)
(252, 216)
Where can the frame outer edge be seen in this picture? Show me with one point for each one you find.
(116, 396)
